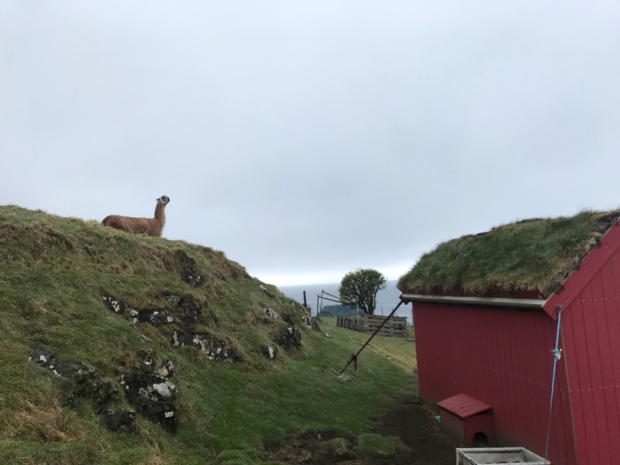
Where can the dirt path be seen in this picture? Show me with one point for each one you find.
(412, 422)
(416, 426)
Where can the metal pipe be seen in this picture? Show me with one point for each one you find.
(354, 357)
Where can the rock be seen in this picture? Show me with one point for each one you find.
(41, 357)
(267, 292)
(148, 388)
(177, 339)
(153, 396)
(287, 318)
(192, 313)
(310, 322)
(193, 278)
(116, 420)
(99, 390)
(212, 347)
(271, 313)
(167, 371)
(188, 269)
(290, 337)
(216, 349)
(156, 317)
(85, 383)
(270, 351)
(117, 306)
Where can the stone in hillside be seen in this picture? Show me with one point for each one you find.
(289, 338)
(153, 396)
(267, 292)
(287, 318)
(310, 322)
(188, 269)
(156, 317)
(192, 277)
(270, 352)
(216, 349)
(116, 305)
(192, 313)
(270, 313)
(85, 383)
(116, 420)
(41, 357)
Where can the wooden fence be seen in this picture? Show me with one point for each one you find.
(395, 326)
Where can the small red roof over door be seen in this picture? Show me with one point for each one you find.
(464, 406)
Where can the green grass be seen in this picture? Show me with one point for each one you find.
(375, 444)
(53, 274)
(527, 256)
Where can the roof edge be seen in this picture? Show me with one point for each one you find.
(578, 279)
(484, 301)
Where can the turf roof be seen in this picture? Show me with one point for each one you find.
(534, 255)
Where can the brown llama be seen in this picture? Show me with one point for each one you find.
(149, 226)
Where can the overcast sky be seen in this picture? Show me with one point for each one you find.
(310, 138)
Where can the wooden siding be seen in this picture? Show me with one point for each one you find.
(501, 357)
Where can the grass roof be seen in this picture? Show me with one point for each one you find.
(534, 255)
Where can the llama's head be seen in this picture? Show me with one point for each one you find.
(164, 200)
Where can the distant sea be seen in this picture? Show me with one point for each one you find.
(387, 298)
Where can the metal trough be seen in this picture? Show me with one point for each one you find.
(498, 455)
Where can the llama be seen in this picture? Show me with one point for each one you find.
(148, 226)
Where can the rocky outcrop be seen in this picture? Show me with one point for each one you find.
(189, 272)
(216, 349)
(153, 395)
(289, 338)
(148, 388)
(87, 384)
(270, 351)
(182, 315)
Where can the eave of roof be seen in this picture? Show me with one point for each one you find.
(481, 301)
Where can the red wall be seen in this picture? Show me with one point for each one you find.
(591, 331)
(501, 357)
(591, 334)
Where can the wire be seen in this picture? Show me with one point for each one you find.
(557, 355)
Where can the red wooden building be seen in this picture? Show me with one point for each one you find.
(486, 313)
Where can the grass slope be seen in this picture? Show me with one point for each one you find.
(54, 272)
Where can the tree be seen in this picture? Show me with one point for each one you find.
(360, 287)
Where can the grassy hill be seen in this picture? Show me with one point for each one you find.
(124, 349)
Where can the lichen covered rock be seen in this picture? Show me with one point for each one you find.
(87, 384)
(289, 338)
(153, 396)
(270, 351)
